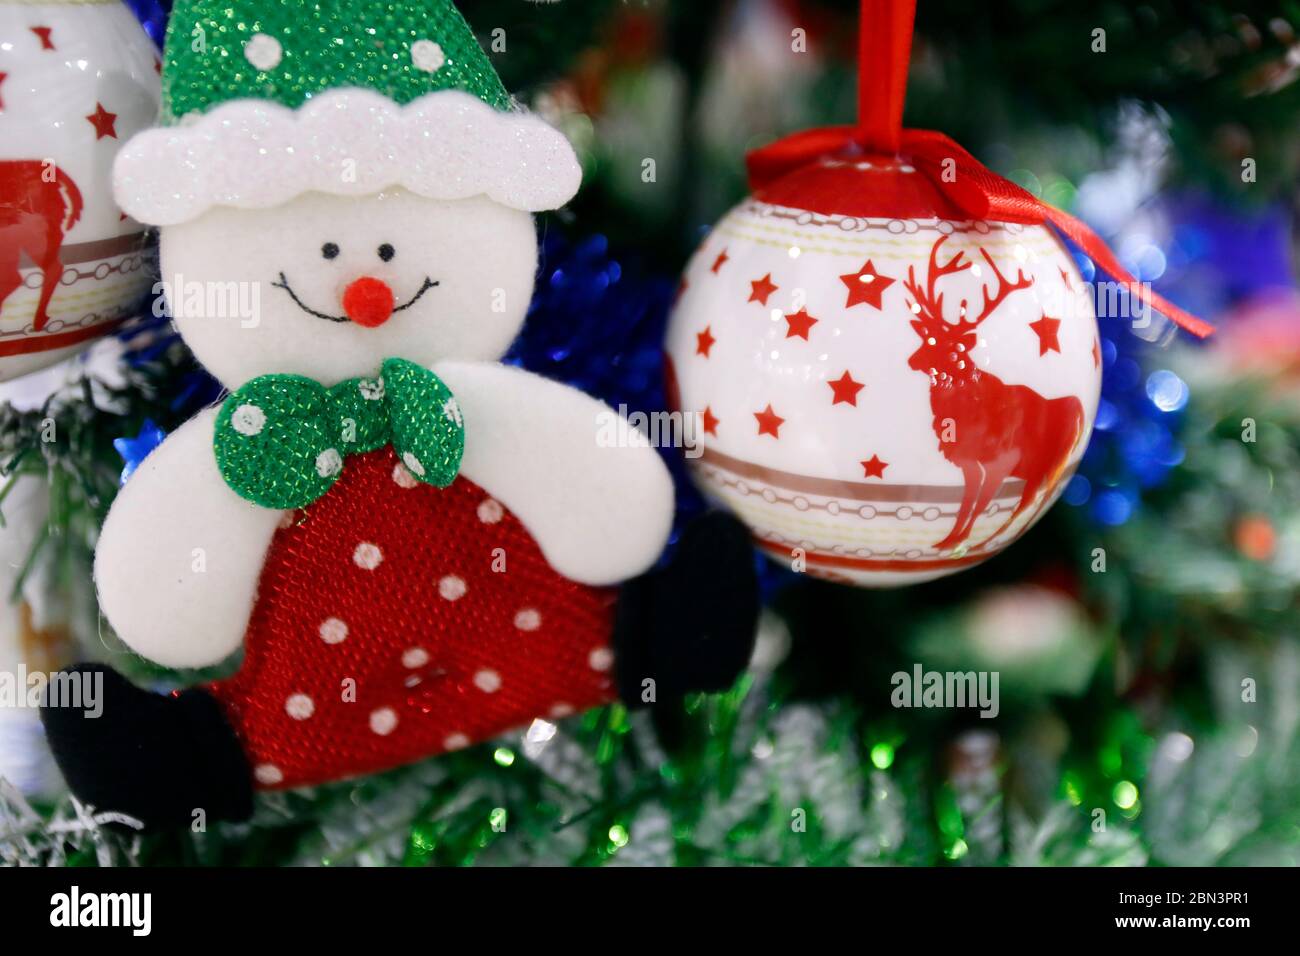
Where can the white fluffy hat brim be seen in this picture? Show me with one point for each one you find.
(255, 154)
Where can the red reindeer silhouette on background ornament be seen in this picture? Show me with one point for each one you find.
(39, 203)
(990, 430)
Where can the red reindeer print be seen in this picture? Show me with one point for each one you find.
(39, 203)
(990, 430)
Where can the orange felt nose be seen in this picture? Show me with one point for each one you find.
(368, 301)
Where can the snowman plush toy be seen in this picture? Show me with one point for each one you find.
(416, 546)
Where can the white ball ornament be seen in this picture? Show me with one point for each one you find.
(886, 391)
(76, 81)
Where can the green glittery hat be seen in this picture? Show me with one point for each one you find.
(263, 101)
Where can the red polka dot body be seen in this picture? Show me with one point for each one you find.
(395, 621)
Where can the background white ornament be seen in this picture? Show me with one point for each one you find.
(794, 340)
(34, 638)
(76, 81)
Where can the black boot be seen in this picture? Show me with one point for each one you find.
(155, 757)
(689, 626)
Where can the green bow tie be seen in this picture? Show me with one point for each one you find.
(280, 439)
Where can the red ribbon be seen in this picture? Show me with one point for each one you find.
(980, 193)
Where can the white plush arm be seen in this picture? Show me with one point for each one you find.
(180, 554)
(600, 510)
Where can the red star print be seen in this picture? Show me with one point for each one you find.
(2, 99)
(1046, 329)
(704, 341)
(873, 467)
(1096, 354)
(799, 323)
(717, 263)
(865, 285)
(44, 34)
(760, 289)
(769, 422)
(845, 389)
(103, 122)
(710, 422)
(1065, 277)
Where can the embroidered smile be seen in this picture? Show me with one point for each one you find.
(366, 296)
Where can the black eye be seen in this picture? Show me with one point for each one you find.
(386, 252)
(329, 250)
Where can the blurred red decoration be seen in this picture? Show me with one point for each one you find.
(1255, 537)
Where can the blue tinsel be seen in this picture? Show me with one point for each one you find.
(1133, 446)
(597, 322)
(135, 450)
(153, 15)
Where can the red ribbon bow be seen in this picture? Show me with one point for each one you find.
(885, 42)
